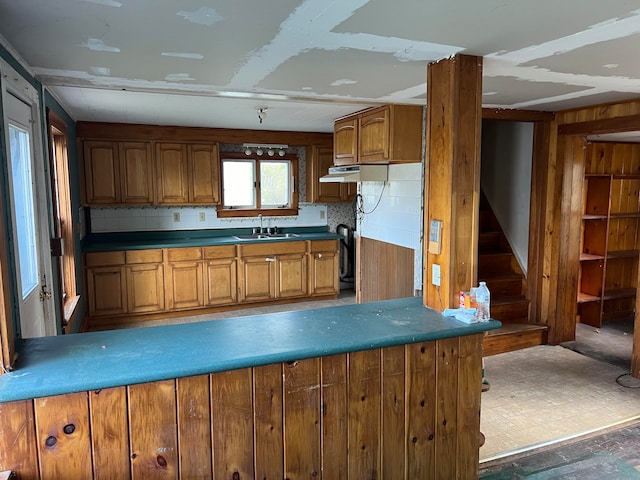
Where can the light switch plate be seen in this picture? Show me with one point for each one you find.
(435, 274)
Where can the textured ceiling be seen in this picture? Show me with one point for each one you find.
(215, 62)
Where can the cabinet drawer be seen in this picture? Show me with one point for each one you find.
(144, 256)
(323, 246)
(181, 254)
(223, 251)
(271, 248)
(100, 259)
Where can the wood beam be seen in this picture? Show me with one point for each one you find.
(452, 180)
(122, 131)
(629, 123)
(514, 115)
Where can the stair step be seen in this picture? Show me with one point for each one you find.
(488, 222)
(510, 309)
(514, 336)
(489, 241)
(493, 263)
(504, 284)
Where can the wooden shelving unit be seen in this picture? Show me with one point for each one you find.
(610, 233)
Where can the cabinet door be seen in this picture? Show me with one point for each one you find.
(221, 282)
(318, 163)
(145, 288)
(106, 291)
(373, 136)
(204, 184)
(102, 173)
(136, 173)
(172, 173)
(345, 141)
(257, 279)
(291, 275)
(324, 273)
(183, 285)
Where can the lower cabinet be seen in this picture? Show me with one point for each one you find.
(145, 281)
(184, 278)
(273, 270)
(324, 264)
(191, 278)
(220, 275)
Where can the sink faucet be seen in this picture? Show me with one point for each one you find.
(261, 228)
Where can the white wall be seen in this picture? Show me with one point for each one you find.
(507, 149)
(397, 218)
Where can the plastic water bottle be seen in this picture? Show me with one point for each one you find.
(483, 299)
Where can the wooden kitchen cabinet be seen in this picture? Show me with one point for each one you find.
(106, 283)
(184, 278)
(345, 140)
(172, 174)
(187, 174)
(387, 134)
(319, 159)
(221, 275)
(269, 271)
(145, 281)
(136, 173)
(324, 265)
(118, 173)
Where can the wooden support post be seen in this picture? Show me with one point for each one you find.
(635, 353)
(452, 179)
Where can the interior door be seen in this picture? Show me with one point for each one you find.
(28, 216)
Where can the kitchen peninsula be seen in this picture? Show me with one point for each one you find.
(359, 391)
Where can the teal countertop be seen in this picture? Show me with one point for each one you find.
(104, 242)
(90, 361)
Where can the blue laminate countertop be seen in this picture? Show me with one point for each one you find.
(89, 361)
(104, 242)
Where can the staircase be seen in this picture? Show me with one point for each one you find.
(500, 269)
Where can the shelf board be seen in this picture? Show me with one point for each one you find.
(590, 216)
(586, 298)
(621, 254)
(619, 293)
(626, 215)
(586, 257)
(626, 176)
(597, 175)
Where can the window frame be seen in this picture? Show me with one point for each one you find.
(292, 209)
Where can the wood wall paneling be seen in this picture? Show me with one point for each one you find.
(63, 436)
(18, 445)
(268, 421)
(393, 440)
(110, 433)
(364, 414)
(153, 431)
(334, 416)
(232, 419)
(302, 419)
(384, 271)
(194, 427)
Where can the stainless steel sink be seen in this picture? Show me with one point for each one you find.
(265, 236)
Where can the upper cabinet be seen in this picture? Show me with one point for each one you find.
(319, 159)
(118, 173)
(388, 134)
(151, 173)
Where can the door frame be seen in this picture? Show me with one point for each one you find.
(13, 83)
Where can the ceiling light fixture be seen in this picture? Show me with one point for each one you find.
(262, 114)
(260, 148)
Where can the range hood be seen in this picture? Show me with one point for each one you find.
(356, 173)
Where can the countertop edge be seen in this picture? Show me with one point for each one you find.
(99, 360)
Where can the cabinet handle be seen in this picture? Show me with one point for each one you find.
(269, 259)
(319, 255)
